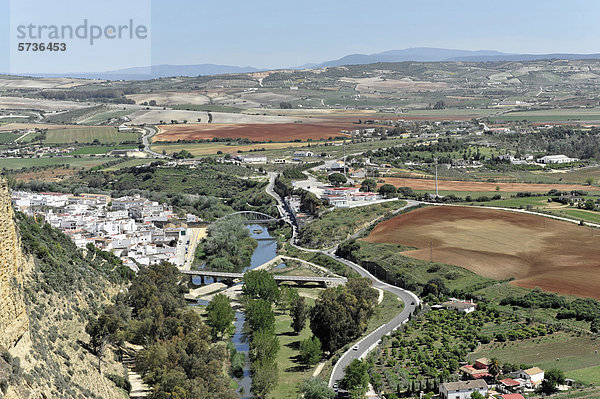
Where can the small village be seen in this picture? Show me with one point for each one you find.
(137, 230)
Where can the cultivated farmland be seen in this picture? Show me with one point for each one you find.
(253, 132)
(103, 134)
(477, 186)
(535, 251)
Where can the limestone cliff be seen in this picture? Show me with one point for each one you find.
(48, 291)
(14, 324)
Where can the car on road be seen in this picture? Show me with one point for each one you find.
(355, 347)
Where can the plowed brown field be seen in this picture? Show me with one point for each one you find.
(254, 132)
(535, 251)
(455, 185)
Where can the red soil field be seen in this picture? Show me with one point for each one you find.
(253, 132)
(453, 185)
(535, 251)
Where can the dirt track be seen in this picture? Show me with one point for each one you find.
(254, 132)
(536, 251)
(454, 185)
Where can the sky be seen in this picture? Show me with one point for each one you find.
(273, 34)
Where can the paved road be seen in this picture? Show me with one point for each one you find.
(411, 301)
(150, 132)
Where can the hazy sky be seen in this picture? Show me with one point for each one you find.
(281, 33)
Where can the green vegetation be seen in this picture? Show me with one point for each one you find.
(177, 354)
(356, 379)
(220, 315)
(260, 284)
(207, 108)
(227, 247)
(338, 224)
(341, 314)
(65, 288)
(315, 388)
(260, 325)
(102, 149)
(100, 134)
(387, 262)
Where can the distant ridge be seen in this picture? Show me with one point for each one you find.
(431, 54)
(416, 54)
(154, 72)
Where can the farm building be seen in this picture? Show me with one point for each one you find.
(304, 154)
(532, 377)
(460, 306)
(477, 370)
(509, 385)
(548, 159)
(251, 158)
(125, 129)
(462, 389)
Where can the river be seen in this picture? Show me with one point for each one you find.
(264, 252)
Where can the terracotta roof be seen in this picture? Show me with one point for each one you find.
(512, 396)
(509, 382)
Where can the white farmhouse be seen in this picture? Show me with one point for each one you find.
(556, 159)
(462, 389)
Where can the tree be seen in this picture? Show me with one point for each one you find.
(477, 395)
(260, 284)
(259, 315)
(494, 367)
(387, 190)
(315, 388)
(590, 181)
(368, 185)
(356, 378)
(263, 345)
(152, 103)
(337, 179)
(285, 105)
(264, 377)
(220, 315)
(287, 296)
(310, 351)
(439, 105)
(299, 313)
(552, 378)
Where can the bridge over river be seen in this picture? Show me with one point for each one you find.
(229, 277)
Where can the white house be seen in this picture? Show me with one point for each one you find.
(462, 389)
(533, 376)
(556, 159)
(304, 154)
(124, 129)
(460, 306)
(252, 158)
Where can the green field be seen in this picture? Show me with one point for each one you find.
(18, 163)
(104, 134)
(7, 137)
(552, 115)
(574, 353)
(101, 149)
(588, 375)
(208, 108)
(128, 164)
(102, 117)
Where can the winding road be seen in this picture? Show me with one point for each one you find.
(150, 132)
(366, 344)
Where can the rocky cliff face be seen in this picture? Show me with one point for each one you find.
(14, 323)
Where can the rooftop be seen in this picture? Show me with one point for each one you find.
(465, 385)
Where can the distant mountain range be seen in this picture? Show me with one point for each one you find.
(417, 54)
(154, 72)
